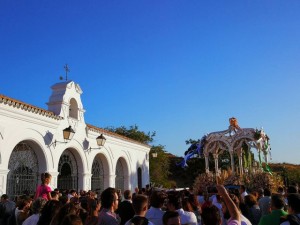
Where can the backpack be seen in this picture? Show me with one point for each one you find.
(138, 220)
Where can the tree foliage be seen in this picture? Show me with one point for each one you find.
(159, 166)
(192, 141)
(134, 133)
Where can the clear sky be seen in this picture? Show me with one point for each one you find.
(177, 67)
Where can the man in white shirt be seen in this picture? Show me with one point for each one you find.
(265, 202)
(37, 206)
(155, 213)
(174, 204)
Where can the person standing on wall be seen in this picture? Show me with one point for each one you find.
(44, 190)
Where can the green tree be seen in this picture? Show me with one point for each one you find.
(159, 166)
(134, 133)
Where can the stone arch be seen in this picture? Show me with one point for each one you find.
(25, 164)
(35, 139)
(70, 168)
(73, 109)
(100, 172)
(122, 175)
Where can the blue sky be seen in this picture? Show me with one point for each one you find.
(180, 68)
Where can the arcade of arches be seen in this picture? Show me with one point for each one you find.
(23, 176)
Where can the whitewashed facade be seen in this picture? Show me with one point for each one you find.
(27, 149)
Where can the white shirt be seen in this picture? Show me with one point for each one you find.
(32, 220)
(244, 220)
(244, 194)
(155, 215)
(187, 217)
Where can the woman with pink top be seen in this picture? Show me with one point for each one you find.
(44, 190)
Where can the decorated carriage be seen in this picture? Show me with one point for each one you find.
(237, 143)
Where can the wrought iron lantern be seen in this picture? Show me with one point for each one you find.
(68, 133)
(154, 154)
(101, 140)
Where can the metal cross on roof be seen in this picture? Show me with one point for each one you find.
(67, 70)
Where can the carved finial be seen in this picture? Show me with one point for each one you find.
(234, 123)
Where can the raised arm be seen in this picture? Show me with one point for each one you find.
(233, 210)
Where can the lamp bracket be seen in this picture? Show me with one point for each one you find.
(55, 142)
(90, 149)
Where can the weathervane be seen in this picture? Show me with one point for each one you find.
(66, 67)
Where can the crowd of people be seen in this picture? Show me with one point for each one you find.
(150, 206)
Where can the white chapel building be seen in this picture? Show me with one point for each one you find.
(33, 141)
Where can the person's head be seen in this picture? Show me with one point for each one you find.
(235, 200)
(242, 188)
(24, 203)
(136, 190)
(267, 192)
(73, 193)
(37, 205)
(119, 193)
(277, 201)
(64, 199)
(157, 198)
(174, 202)
(171, 218)
(54, 195)
(68, 208)
(4, 197)
(75, 200)
(280, 190)
(211, 216)
(127, 195)
(186, 205)
(193, 200)
(46, 178)
(140, 204)
(93, 206)
(48, 211)
(255, 194)
(293, 203)
(292, 189)
(250, 200)
(110, 199)
(72, 219)
(260, 192)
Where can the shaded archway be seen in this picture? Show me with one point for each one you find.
(97, 175)
(23, 170)
(139, 178)
(120, 179)
(122, 175)
(73, 109)
(68, 171)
